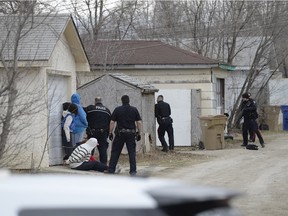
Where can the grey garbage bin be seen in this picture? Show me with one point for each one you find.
(213, 131)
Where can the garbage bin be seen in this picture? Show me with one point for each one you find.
(284, 109)
(271, 116)
(213, 131)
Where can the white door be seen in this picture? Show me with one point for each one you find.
(57, 95)
(180, 104)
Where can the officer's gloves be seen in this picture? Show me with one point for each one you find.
(137, 136)
(110, 136)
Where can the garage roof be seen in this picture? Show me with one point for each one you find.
(38, 37)
(140, 52)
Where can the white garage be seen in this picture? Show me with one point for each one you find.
(49, 57)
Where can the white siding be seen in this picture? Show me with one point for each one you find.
(180, 103)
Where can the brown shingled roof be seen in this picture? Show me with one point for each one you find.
(140, 52)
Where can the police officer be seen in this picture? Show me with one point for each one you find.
(162, 113)
(249, 113)
(252, 135)
(128, 128)
(98, 117)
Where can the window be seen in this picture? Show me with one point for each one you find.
(220, 95)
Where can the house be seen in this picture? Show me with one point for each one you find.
(192, 84)
(111, 87)
(43, 53)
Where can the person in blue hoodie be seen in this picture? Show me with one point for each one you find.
(80, 122)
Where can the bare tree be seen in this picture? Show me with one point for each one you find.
(221, 30)
(167, 17)
(268, 22)
(90, 15)
(101, 18)
(123, 19)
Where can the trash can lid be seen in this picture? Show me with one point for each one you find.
(284, 108)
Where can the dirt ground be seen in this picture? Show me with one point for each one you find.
(261, 175)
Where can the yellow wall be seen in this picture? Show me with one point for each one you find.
(63, 62)
(175, 78)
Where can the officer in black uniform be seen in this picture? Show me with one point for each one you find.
(127, 118)
(162, 113)
(98, 117)
(256, 132)
(249, 113)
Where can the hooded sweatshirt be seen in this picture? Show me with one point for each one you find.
(80, 120)
(82, 153)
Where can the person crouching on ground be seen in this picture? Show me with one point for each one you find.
(80, 158)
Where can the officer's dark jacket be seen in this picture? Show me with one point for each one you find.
(125, 116)
(162, 109)
(249, 109)
(98, 116)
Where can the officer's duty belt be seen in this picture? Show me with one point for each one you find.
(165, 117)
(127, 130)
(98, 130)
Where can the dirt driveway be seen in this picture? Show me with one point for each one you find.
(262, 175)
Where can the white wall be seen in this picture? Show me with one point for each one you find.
(278, 91)
(28, 129)
(233, 87)
(278, 94)
(180, 104)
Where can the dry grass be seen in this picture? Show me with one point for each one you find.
(183, 156)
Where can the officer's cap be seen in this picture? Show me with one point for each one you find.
(246, 95)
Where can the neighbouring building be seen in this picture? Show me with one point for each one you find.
(193, 85)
